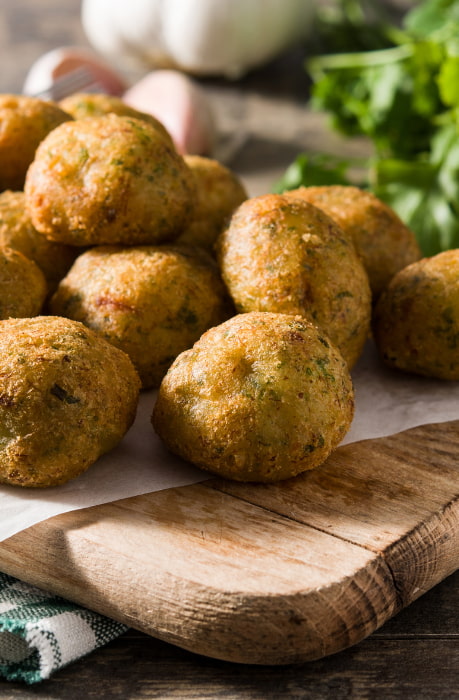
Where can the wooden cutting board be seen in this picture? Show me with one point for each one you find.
(260, 574)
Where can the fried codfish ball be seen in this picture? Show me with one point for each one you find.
(416, 319)
(218, 193)
(67, 397)
(284, 255)
(382, 240)
(90, 104)
(17, 232)
(24, 123)
(150, 301)
(22, 285)
(108, 180)
(262, 397)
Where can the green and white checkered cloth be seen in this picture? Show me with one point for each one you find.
(40, 632)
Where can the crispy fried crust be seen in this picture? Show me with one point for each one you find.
(67, 396)
(218, 193)
(24, 123)
(17, 231)
(262, 397)
(284, 255)
(151, 301)
(108, 180)
(22, 285)
(89, 104)
(416, 320)
(385, 244)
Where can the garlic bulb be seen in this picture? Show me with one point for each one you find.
(180, 104)
(202, 37)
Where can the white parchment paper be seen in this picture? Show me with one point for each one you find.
(386, 402)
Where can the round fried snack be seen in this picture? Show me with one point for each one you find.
(67, 396)
(416, 319)
(218, 193)
(284, 255)
(382, 240)
(150, 301)
(17, 232)
(108, 180)
(262, 397)
(90, 104)
(22, 285)
(24, 123)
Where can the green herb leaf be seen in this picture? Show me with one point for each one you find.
(404, 97)
(431, 16)
(313, 170)
(63, 395)
(448, 81)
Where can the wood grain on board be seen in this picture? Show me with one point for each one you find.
(264, 574)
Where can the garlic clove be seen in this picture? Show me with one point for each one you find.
(60, 61)
(181, 105)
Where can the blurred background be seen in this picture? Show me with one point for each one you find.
(261, 117)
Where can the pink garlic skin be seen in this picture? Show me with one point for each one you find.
(169, 95)
(58, 62)
(181, 105)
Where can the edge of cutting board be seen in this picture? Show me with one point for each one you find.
(264, 574)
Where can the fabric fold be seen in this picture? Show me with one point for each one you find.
(41, 633)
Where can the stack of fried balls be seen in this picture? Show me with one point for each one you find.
(127, 267)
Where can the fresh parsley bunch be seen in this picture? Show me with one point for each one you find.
(405, 98)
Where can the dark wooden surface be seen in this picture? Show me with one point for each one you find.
(415, 655)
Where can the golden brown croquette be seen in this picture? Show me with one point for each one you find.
(67, 396)
(23, 286)
(416, 319)
(17, 232)
(218, 193)
(108, 180)
(92, 104)
(261, 397)
(24, 123)
(285, 255)
(385, 244)
(151, 301)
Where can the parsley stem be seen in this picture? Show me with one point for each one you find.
(319, 65)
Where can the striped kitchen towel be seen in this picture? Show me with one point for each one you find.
(40, 632)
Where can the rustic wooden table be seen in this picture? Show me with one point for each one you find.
(415, 655)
